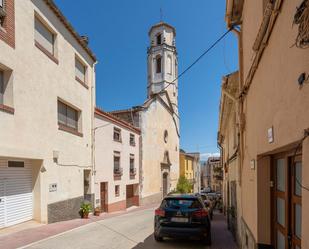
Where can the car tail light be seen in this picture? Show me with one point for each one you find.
(200, 213)
(160, 212)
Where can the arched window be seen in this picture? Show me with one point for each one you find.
(158, 64)
(159, 39)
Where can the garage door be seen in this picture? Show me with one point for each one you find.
(16, 204)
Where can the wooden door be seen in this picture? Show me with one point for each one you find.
(287, 202)
(296, 207)
(103, 196)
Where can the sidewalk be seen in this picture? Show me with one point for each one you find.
(28, 236)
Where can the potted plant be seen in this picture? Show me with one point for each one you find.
(85, 209)
(97, 211)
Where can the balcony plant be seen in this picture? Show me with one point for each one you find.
(85, 209)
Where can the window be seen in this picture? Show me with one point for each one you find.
(80, 71)
(2, 12)
(117, 134)
(159, 39)
(117, 169)
(117, 190)
(44, 38)
(132, 139)
(165, 136)
(158, 64)
(132, 166)
(16, 164)
(1, 86)
(67, 116)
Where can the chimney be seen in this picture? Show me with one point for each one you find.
(84, 39)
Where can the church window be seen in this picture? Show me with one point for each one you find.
(159, 39)
(165, 136)
(158, 64)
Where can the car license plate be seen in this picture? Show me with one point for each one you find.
(179, 219)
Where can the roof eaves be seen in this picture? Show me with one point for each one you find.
(68, 25)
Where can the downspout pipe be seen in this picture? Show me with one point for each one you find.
(239, 103)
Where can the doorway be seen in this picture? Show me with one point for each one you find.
(286, 201)
(165, 184)
(103, 196)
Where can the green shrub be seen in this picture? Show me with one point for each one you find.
(85, 208)
(183, 185)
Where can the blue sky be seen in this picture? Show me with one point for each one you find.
(118, 33)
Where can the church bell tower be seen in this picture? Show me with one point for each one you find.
(162, 62)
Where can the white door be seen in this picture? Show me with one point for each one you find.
(18, 204)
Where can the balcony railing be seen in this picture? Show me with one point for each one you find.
(132, 171)
(118, 172)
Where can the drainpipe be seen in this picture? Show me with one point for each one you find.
(240, 113)
(92, 128)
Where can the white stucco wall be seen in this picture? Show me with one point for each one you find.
(32, 131)
(104, 158)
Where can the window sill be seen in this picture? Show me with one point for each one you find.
(47, 53)
(82, 82)
(118, 141)
(69, 129)
(133, 145)
(7, 109)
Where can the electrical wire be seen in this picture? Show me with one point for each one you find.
(293, 159)
(196, 60)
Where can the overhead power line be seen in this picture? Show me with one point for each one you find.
(200, 57)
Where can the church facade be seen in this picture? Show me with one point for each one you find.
(158, 117)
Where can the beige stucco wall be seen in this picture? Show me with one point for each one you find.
(155, 120)
(104, 159)
(274, 100)
(32, 132)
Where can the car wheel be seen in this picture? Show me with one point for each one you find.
(158, 238)
(207, 239)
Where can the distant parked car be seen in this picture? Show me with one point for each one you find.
(182, 216)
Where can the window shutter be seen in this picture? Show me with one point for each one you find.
(44, 36)
(62, 113)
(71, 117)
(80, 70)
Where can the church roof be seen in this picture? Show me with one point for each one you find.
(162, 24)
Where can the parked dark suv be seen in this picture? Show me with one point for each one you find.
(183, 216)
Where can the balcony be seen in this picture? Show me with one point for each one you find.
(132, 173)
(117, 173)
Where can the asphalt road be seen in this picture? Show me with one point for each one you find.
(132, 230)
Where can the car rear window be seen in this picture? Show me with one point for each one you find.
(181, 203)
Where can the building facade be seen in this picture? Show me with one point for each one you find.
(215, 168)
(47, 84)
(273, 117)
(117, 163)
(228, 142)
(186, 166)
(196, 171)
(158, 117)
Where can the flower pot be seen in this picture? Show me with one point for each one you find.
(97, 212)
(85, 215)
